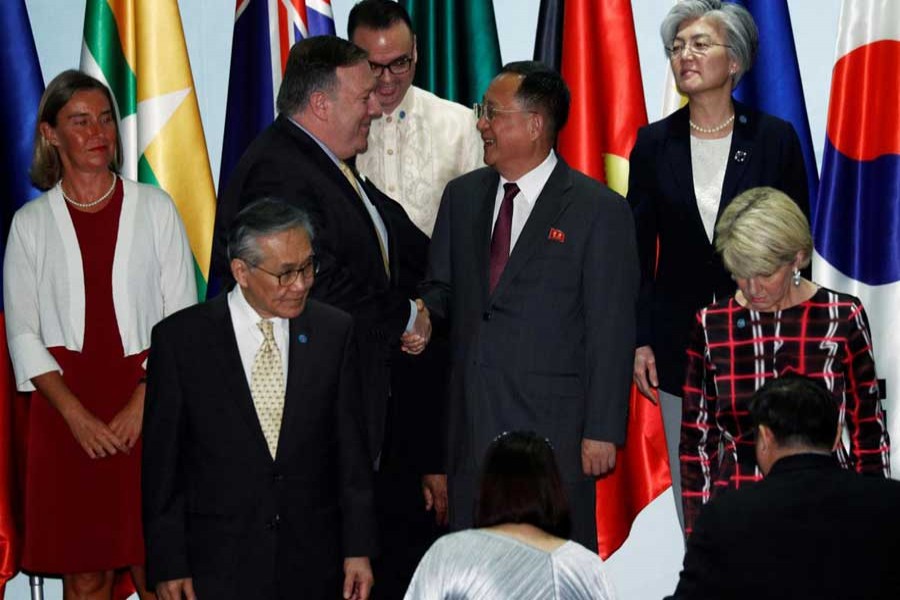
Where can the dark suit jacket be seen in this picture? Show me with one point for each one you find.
(808, 530)
(287, 163)
(551, 349)
(764, 151)
(217, 508)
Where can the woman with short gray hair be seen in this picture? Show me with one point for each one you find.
(778, 322)
(685, 169)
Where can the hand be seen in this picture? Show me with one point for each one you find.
(597, 458)
(414, 342)
(127, 422)
(176, 589)
(434, 488)
(645, 372)
(92, 434)
(357, 578)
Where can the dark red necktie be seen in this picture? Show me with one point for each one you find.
(502, 234)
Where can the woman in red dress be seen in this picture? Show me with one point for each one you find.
(90, 267)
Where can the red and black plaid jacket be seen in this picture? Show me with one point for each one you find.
(735, 350)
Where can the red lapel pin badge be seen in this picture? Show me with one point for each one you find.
(557, 235)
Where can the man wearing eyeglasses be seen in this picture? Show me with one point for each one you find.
(535, 266)
(256, 478)
(421, 141)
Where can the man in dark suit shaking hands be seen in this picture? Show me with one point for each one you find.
(535, 266)
(809, 529)
(256, 480)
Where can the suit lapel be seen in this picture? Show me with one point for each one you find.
(224, 350)
(300, 334)
(678, 156)
(334, 176)
(739, 156)
(547, 208)
(484, 228)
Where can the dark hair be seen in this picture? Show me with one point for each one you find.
(46, 167)
(312, 67)
(798, 411)
(260, 218)
(542, 89)
(520, 483)
(377, 14)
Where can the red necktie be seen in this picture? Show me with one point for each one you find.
(502, 234)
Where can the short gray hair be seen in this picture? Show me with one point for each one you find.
(760, 231)
(736, 22)
(261, 218)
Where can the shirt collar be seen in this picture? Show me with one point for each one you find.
(245, 316)
(324, 148)
(532, 183)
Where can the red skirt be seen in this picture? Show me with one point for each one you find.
(82, 514)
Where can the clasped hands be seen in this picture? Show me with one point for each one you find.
(414, 341)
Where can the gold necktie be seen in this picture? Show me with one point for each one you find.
(267, 386)
(345, 169)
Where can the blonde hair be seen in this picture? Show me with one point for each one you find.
(46, 167)
(760, 231)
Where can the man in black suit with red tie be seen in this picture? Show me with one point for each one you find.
(535, 266)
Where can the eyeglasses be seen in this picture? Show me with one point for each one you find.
(489, 111)
(397, 66)
(308, 269)
(698, 47)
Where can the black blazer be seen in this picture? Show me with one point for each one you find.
(764, 151)
(808, 530)
(216, 506)
(551, 349)
(287, 163)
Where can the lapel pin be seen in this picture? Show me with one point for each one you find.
(740, 156)
(741, 323)
(302, 338)
(742, 119)
(556, 235)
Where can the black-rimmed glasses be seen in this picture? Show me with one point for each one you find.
(308, 269)
(398, 66)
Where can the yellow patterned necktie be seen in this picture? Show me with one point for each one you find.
(345, 169)
(267, 386)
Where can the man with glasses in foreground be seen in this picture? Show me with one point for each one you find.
(256, 479)
(535, 266)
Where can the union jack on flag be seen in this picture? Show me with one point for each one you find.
(264, 31)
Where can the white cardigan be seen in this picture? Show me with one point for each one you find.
(43, 278)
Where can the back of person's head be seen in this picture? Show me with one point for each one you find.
(312, 67)
(377, 15)
(520, 483)
(544, 91)
(798, 411)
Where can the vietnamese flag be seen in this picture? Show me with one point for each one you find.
(592, 43)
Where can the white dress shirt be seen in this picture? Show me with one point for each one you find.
(531, 184)
(373, 213)
(249, 336)
(415, 150)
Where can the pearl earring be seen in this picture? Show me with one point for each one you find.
(796, 277)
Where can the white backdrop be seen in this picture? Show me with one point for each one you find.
(647, 566)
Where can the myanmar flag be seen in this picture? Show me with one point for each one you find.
(136, 47)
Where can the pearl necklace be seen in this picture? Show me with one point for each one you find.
(89, 204)
(715, 129)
